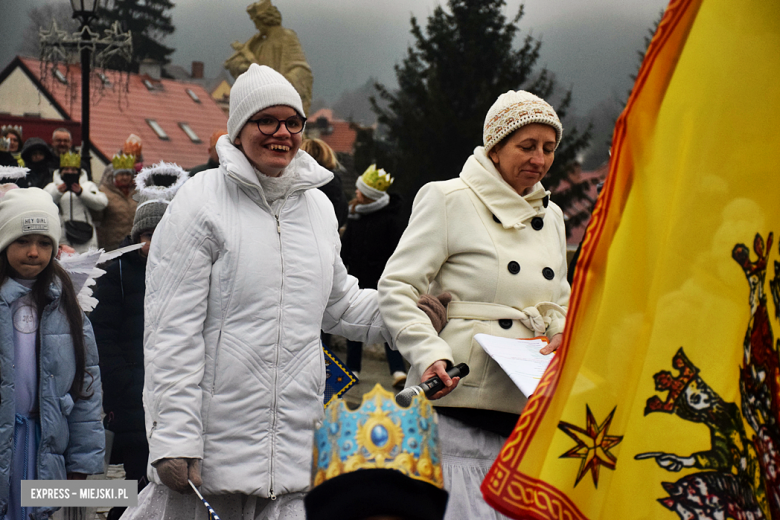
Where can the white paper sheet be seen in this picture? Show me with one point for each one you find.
(519, 358)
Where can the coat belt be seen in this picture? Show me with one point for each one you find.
(535, 318)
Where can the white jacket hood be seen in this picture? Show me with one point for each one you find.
(238, 167)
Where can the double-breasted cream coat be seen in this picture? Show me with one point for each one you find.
(503, 258)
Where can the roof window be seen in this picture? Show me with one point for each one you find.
(148, 84)
(193, 95)
(157, 129)
(60, 76)
(190, 132)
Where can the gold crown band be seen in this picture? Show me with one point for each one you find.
(123, 162)
(70, 160)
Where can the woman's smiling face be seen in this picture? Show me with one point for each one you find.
(270, 154)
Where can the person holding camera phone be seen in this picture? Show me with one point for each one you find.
(75, 195)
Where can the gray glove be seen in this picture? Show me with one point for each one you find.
(436, 308)
(175, 472)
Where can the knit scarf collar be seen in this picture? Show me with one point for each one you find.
(512, 209)
(275, 188)
(381, 202)
(233, 163)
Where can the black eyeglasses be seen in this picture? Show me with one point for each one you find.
(269, 125)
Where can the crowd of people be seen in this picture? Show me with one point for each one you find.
(209, 332)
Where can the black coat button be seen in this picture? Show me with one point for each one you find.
(513, 267)
(548, 273)
(495, 219)
(537, 223)
(505, 324)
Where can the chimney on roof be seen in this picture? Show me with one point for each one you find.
(197, 70)
(150, 68)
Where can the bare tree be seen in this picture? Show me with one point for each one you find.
(41, 17)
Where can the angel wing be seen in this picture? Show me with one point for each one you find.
(83, 271)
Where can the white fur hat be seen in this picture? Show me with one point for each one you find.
(156, 185)
(28, 211)
(514, 109)
(258, 88)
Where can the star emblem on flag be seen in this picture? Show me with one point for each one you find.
(593, 445)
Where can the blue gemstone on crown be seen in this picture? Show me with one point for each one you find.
(379, 435)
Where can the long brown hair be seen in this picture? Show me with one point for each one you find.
(68, 304)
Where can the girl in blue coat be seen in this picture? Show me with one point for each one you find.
(50, 394)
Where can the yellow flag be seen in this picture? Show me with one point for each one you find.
(664, 399)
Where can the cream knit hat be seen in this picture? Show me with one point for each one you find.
(514, 109)
(258, 88)
(28, 211)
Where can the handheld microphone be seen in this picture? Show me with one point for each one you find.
(431, 386)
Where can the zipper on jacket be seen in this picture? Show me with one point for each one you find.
(216, 358)
(43, 317)
(271, 494)
(277, 216)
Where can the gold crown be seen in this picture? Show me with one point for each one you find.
(70, 160)
(123, 162)
(377, 179)
(17, 128)
(379, 434)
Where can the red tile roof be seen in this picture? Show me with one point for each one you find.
(340, 136)
(116, 114)
(592, 178)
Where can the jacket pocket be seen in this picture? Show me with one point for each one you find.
(210, 390)
(478, 363)
(66, 404)
(323, 371)
(459, 334)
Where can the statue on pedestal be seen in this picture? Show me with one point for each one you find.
(274, 46)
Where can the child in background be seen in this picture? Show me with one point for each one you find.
(49, 429)
(119, 326)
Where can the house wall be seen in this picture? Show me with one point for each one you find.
(222, 91)
(19, 97)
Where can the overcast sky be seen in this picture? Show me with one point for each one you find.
(590, 45)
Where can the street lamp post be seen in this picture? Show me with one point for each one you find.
(85, 11)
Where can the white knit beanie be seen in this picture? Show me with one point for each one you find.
(258, 88)
(28, 211)
(514, 109)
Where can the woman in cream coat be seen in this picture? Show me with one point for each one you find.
(495, 241)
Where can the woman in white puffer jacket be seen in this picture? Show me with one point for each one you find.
(243, 272)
